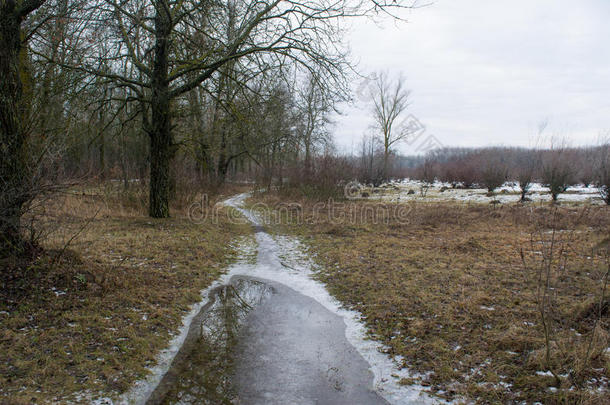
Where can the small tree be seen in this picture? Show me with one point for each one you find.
(586, 172)
(603, 172)
(314, 104)
(557, 172)
(527, 163)
(427, 176)
(464, 172)
(370, 171)
(494, 174)
(390, 102)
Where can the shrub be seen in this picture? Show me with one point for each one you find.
(493, 176)
(527, 165)
(326, 179)
(426, 173)
(557, 172)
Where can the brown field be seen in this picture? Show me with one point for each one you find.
(461, 291)
(94, 313)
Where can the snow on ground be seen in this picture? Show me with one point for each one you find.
(409, 190)
(283, 260)
(387, 375)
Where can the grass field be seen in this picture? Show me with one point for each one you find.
(459, 291)
(91, 315)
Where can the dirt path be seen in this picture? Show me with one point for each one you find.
(291, 341)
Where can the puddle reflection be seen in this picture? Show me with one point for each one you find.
(203, 373)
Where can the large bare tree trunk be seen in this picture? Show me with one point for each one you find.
(161, 145)
(12, 134)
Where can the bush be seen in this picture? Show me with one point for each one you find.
(426, 173)
(493, 176)
(557, 172)
(526, 166)
(326, 179)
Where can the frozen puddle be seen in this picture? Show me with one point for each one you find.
(292, 350)
(268, 333)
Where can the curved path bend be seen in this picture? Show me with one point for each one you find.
(292, 349)
(294, 344)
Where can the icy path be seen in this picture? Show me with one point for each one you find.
(301, 347)
(296, 345)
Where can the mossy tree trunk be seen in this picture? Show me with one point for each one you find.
(13, 169)
(161, 144)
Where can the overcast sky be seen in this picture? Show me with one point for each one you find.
(487, 72)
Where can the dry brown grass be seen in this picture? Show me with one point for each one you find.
(448, 290)
(94, 315)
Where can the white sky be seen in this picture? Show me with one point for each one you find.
(486, 72)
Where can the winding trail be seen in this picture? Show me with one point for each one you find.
(293, 350)
(295, 343)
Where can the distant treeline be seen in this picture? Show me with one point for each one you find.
(556, 167)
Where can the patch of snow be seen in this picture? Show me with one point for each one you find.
(283, 260)
(88, 397)
(58, 292)
(142, 389)
(509, 192)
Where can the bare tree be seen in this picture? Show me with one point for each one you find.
(390, 102)
(266, 129)
(495, 171)
(586, 169)
(557, 171)
(464, 171)
(370, 172)
(314, 103)
(175, 46)
(527, 165)
(15, 189)
(427, 175)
